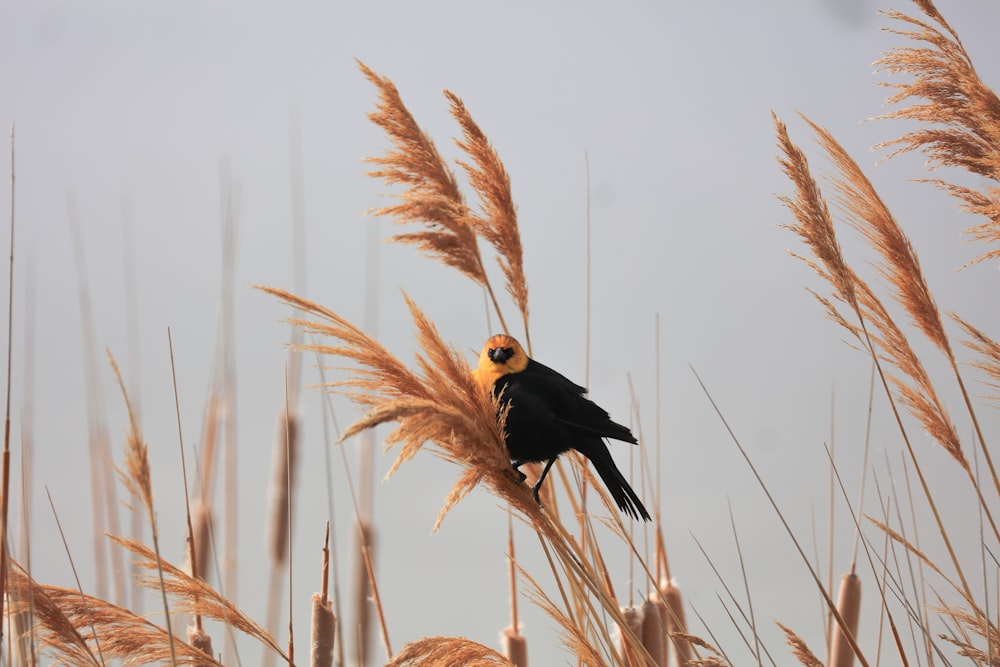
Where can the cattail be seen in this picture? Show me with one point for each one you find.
(633, 619)
(654, 631)
(515, 647)
(848, 606)
(279, 505)
(201, 640)
(362, 595)
(282, 482)
(324, 626)
(324, 621)
(676, 625)
(201, 518)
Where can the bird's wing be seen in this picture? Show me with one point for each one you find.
(555, 377)
(567, 404)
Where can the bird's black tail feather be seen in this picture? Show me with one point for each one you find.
(616, 483)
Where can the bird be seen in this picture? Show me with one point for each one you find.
(550, 414)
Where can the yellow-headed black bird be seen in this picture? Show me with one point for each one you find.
(549, 415)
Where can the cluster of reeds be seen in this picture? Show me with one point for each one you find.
(435, 405)
(960, 127)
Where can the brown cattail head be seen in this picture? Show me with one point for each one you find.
(201, 518)
(362, 631)
(515, 647)
(282, 482)
(849, 607)
(633, 615)
(676, 625)
(322, 632)
(654, 631)
(200, 639)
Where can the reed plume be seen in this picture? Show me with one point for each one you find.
(815, 224)
(800, 650)
(963, 113)
(969, 628)
(447, 651)
(988, 351)
(497, 223)
(438, 404)
(66, 616)
(194, 596)
(432, 196)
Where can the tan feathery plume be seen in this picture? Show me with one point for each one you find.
(963, 112)
(65, 615)
(441, 405)
(901, 269)
(800, 649)
(869, 215)
(52, 626)
(695, 640)
(575, 636)
(814, 224)
(973, 627)
(883, 339)
(194, 596)
(432, 196)
(498, 222)
(137, 479)
(447, 651)
(917, 394)
(815, 227)
(912, 548)
(989, 354)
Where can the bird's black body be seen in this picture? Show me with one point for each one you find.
(549, 415)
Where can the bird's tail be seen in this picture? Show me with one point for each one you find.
(617, 485)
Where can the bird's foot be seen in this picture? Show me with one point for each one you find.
(534, 492)
(516, 465)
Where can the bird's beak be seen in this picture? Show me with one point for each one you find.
(498, 355)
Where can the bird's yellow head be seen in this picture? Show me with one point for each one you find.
(501, 355)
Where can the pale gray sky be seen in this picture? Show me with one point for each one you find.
(131, 110)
